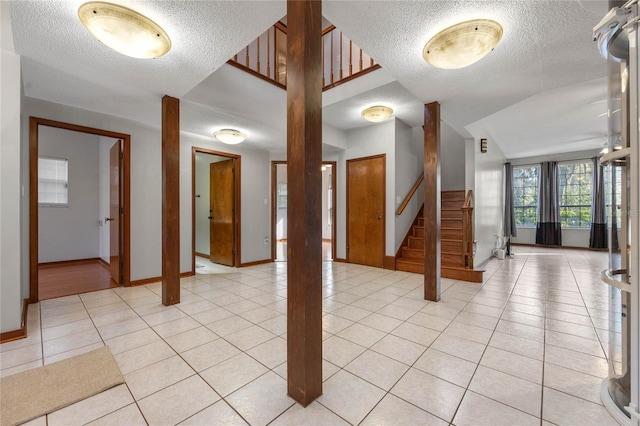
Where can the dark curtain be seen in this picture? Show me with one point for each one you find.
(509, 217)
(598, 237)
(548, 231)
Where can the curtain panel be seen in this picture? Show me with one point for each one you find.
(548, 231)
(598, 236)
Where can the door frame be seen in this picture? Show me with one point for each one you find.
(274, 202)
(384, 204)
(237, 204)
(34, 123)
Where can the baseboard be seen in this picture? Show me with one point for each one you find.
(472, 275)
(21, 333)
(69, 262)
(152, 280)
(340, 260)
(206, 256)
(257, 262)
(389, 262)
(560, 247)
(104, 263)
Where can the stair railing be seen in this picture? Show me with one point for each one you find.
(467, 229)
(342, 59)
(413, 190)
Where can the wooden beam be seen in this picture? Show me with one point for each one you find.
(432, 201)
(304, 194)
(170, 200)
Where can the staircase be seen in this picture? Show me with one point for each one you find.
(455, 262)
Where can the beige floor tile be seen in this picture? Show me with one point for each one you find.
(394, 411)
(33, 338)
(450, 368)
(204, 356)
(276, 325)
(40, 421)
(218, 413)
(518, 345)
(563, 409)
(334, 324)
(262, 400)
(573, 383)
(477, 320)
(177, 402)
(510, 390)
(129, 415)
(190, 339)
(577, 361)
(73, 316)
(361, 335)
(399, 349)
(143, 356)
(130, 341)
(340, 351)
(92, 408)
(19, 368)
(157, 376)
(349, 396)
(230, 375)
(523, 318)
(469, 332)
(163, 316)
(478, 410)
(397, 312)
(380, 370)
(576, 343)
(514, 364)
(212, 315)
(271, 353)
(570, 328)
(380, 322)
(170, 328)
(416, 334)
(121, 328)
(430, 393)
(67, 329)
(70, 342)
(249, 337)
(521, 330)
(489, 311)
(466, 349)
(114, 317)
(229, 325)
(313, 414)
(68, 354)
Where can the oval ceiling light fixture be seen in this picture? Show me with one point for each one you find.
(462, 44)
(124, 30)
(377, 113)
(230, 136)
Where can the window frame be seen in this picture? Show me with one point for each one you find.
(55, 181)
(564, 221)
(522, 207)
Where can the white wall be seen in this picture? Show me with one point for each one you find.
(281, 213)
(255, 187)
(11, 293)
(409, 157)
(71, 232)
(367, 141)
(452, 157)
(488, 191)
(203, 200)
(326, 184)
(576, 237)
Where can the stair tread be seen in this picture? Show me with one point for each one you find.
(450, 239)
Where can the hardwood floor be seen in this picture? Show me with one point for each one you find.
(72, 278)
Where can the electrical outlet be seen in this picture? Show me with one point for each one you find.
(266, 240)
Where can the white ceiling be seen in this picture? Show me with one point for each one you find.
(539, 92)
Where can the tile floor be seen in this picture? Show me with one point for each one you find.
(525, 347)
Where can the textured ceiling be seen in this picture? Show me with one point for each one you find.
(546, 56)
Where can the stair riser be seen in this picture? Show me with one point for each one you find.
(451, 246)
(452, 195)
(410, 267)
(421, 221)
(418, 232)
(451, 223)
(451, 214)
(451, 204)
(412, 254)
(452, 260)
(451, 234)
(416, 242)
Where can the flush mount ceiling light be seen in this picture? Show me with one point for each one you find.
(124, 30)
(377, 113)
(462, 44)
(229, 136)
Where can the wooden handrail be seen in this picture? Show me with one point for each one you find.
(410, 195)
(467, 198)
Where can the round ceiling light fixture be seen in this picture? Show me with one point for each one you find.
(124, 30)
(230, 136)
(377, 113)
(462, 44)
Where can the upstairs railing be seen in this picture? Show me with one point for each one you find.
(266, 57)
(467, 230)
(413, 190)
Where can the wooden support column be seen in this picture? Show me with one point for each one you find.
(432, 201)
(304, 195)
(170, 200)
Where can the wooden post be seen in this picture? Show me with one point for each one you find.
(304, 195)
(170, 200)
(432, 201)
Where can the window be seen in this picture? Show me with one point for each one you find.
(53, 181)
(575, 186)
(282, 195)
(525, 195)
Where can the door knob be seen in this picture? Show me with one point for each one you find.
(379, 217)
(108, 219)
(210, 217)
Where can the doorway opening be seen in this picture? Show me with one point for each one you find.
(215, 210)
(279, 210)
(79, 222)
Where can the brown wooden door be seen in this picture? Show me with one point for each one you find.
(222, 217)
(366, 185)
(114, 212)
